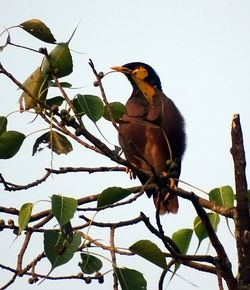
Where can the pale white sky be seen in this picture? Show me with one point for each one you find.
(200, 50)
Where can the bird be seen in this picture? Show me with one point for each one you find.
(152, 133)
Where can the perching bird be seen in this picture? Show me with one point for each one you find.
(152, 133)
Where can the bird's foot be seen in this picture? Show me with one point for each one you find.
(172, 182)
(171, 185)
(131, 174)
(170, 178)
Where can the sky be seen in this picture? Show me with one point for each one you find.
(200, 49)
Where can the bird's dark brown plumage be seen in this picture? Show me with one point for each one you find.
(148, 127)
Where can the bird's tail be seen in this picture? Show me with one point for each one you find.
(166, 202)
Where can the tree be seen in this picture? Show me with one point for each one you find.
(65, 121)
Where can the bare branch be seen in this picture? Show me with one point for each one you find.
(78, 277)
(63, 170)
(12, 280)
(113, 255)
(22, 251)
(15, 187)
(242, 218)
(104, 247)
(116, 225)
(34, 262)
(164, 273)
(227, 212)
(199, 266)
(104, 97)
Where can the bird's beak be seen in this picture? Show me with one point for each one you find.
(122, 69)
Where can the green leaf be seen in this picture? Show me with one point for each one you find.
(90, 264)
(199, 228)
(182, 239)
(37, 86)
(90, 105)
(214, 220)
(38, 29)
(78, 106)
(117, 110)
(63, 208)
(150, 252)
(55, 101)
(223, 196)
(58, 63)
(10, 143)
(57, 142)
(24, 216)
(130, 279)
(58, 249)
(3, 124)
(111, 195)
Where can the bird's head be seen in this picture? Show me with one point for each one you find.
(140, 71)
(141, 76)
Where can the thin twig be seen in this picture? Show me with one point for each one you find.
(46, 276)
(227, 212)
(163, 274)
(42, 51)
(62, 170)
(172, 247)
(43, 222)
(34, 262)
(15, 187)
(168, 243)
(90, 170)
(11, 281)
(104, 247)
(138, 190)
(113, 256)
(113, 205)
(104, 97)
(200, 267)
(56, 125)
(22, 251)
(65, 96)
(116, 225)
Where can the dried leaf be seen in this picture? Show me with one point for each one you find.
(57, 142)
(38, 29)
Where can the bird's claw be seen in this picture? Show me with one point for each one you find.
(172, 183)
(130, 173)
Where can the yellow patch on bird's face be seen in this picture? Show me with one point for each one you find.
(138, 75)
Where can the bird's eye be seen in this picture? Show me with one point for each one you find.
(140, 73)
